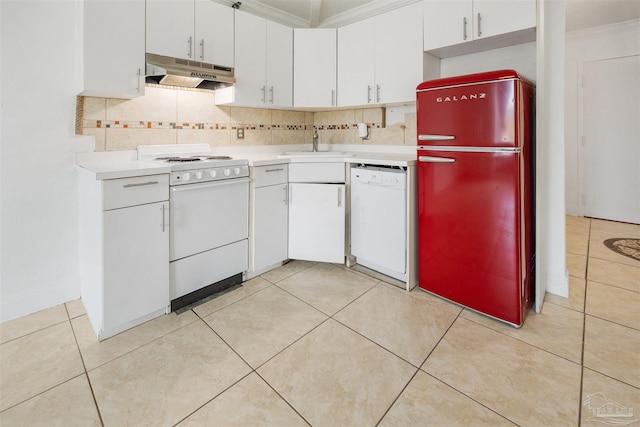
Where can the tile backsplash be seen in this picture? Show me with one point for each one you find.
(169, 116)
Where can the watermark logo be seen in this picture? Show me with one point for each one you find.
(608, 411)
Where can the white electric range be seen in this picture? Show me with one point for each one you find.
(208, 219)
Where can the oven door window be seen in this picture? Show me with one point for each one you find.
(208, 215)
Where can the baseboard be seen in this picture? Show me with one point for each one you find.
(558, 284)
(46, 298)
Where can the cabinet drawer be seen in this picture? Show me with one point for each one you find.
(317, 172)
(270, 175)
(123, 192)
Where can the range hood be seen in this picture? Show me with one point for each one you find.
(165, 70)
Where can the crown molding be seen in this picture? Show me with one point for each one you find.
(367, 10)
(373, 8)
(257, 8)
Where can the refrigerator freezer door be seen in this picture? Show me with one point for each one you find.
(469, 230)
(478, 115)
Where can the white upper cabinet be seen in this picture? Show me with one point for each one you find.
(356, 63)
(494, 17)
(448, 23)
(387, 70)
(213, 33)
(279, 86)
(264, 62)
(114, 60)
(200, 30)
(314, 67)
(399, 54)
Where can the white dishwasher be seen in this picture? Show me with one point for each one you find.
(379, 218)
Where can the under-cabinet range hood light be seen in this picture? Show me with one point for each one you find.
(165, 70)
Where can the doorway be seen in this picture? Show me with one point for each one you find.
(611, 139)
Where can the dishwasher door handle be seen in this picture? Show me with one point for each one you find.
(430, 159)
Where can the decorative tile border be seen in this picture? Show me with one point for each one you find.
(120, 124)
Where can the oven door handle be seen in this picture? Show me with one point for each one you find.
(220, 183)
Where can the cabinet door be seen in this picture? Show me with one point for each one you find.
(114, 60)
(314, 67)
(170, 28)
(447, 22)
(213, 33)
(136, 262)
(356, 63)
(316, 222)
(250, 59)
(493, 17)
(399, 55)
(270, 226)
(279, 65)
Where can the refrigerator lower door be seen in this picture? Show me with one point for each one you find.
(469, 230)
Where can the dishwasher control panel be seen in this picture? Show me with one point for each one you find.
(380, 175)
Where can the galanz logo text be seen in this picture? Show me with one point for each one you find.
(468, 97)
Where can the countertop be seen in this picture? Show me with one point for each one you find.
(123, 164)
(118, 164)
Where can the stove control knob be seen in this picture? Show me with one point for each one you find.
(186, 176)
(227, 172)
(199, 175)
(236, 171)
(213, 173)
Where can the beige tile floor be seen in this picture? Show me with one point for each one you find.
(318, 344)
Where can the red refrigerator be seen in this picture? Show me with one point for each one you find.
(476, 192)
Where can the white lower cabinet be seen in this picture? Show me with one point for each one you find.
(136, 260)
(269, 218)
(316, 222)
(317, 212)
(124, 245)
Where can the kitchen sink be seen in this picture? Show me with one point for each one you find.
(315, 154)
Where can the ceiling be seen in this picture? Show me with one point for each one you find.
(580, 14)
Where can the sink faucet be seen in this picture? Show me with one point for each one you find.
(315, 140)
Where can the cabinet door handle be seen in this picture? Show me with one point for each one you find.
(202, 49)
(162, 225)
(139, 78)
(286, 195)
(271, 97)
(368, 94)
(264, 94)
(140, 184)
(274, 170)
(333, 97)
(377, 93)
(479, 25)
(464, 28)
(190, 43)
(339, 196)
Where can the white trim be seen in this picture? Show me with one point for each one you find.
(603, 28)
(367, 10)
(13, 308)
(558, 284)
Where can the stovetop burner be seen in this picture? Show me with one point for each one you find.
(218, 157)
(178, 159)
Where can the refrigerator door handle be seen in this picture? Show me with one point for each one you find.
(435, 137)
(430, 159)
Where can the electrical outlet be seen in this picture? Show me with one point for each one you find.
(240, 133)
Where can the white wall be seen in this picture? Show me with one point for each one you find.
(38, 231)
(521, 58)
(607, 42)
